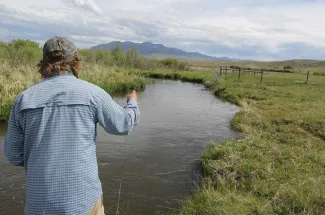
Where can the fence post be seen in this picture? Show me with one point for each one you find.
(233, 72)
(307, 77)
(220, 71)
(262, 74)
(239, 74)
(254, 73)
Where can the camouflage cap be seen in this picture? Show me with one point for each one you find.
(68, 49)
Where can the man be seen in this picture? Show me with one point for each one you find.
(52, 133)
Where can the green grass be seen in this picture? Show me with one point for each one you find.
(278, 166)
(280, 79)
(303, 65)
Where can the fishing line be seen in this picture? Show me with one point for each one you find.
(123, 167)
(123, 173)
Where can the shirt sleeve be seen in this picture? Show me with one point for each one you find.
(14, 141)
(114, 118)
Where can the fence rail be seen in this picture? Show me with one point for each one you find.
(243, 72)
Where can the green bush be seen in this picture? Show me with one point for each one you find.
(172, 63)
(319, 73)
(118, 56)
(20, 52)
(287, 67)
(183, 66)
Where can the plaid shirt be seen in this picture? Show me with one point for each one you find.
(52, 133)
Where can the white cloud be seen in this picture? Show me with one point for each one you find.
(88, 5)
(247, 28)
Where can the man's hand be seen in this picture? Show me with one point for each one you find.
(133, 95)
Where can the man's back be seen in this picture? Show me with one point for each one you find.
(52, 132)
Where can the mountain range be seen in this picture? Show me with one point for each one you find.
(156, 50)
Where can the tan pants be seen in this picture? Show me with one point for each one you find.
(98, 208)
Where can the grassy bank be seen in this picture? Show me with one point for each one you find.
(278, 166)
(193, 77)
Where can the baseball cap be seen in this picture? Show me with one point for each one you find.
(61, 44)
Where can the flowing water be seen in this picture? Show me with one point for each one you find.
(162, 165)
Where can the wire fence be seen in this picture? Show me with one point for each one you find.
(270, 77)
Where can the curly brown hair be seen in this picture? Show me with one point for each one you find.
(56, 64)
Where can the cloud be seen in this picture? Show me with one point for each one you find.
(142, 29)
(244, 29)
(88, 5)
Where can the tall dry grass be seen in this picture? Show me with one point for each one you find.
(15, 79)
(113, 71)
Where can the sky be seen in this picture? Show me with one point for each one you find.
(242, 29)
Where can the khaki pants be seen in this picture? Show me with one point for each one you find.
(98, 208)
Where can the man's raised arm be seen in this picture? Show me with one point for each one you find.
(114, 118)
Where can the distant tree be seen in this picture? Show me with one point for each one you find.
(118, 56)
(19, 43)
(100, 55)
(23, 51)
(133, 58)
(169, 62)
(234, 67)
(4, 54)
(183, 65)
(87, 55)
(287, 67)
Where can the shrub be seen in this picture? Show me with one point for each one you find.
(20, 52)
(183, 66)
(287, 67)
(171, 63)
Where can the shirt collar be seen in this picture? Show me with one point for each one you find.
(55, 75)
(65, 73)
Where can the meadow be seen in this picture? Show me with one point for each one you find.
(299, 66)
(277, 166)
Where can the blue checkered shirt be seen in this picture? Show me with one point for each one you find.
(52, 133)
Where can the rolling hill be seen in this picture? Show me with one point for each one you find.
(156, 50)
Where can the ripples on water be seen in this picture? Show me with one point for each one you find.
(162, 167)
